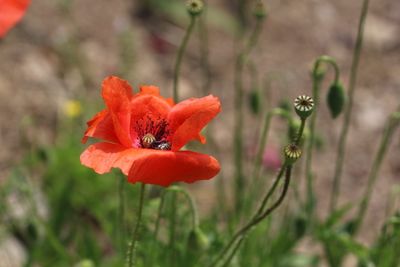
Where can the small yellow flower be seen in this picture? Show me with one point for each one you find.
(72, 108)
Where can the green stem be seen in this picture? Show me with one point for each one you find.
(263, 139)
(157, 226)
(121, 213)
(391, 126)
(172, 229)
(346, 123)
(179, 57)
(317, 76)
(239, 116)
(256, 219)
(132, 245)
(300, 133)
(309, 176)
(204, 48)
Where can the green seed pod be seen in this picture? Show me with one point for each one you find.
(198, 240)
(303, 105)
(194, 7)
(336, 99)
(255, 101)
(292, 153)
(259, 11)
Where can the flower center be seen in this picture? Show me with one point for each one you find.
(152, 133)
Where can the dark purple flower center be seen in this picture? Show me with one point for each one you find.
(152, 133)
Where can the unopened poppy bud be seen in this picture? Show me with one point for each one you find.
(255, 101)
(198, 240)
(260, 11)
(292, 153)
(336, 99)
(303, 105)
(194, 7)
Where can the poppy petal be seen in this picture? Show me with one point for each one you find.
(166, 167)
(101, 157)
(189, 117)
(11, 12)
(101, 126)
(150, 166)
(117, 95)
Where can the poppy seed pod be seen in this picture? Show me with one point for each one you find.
(336, 99)
(303, 106)
(194, 7)
(292, 153)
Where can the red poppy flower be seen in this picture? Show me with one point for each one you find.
(11, 11)
(144, 132)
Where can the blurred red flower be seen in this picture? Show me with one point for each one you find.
(144, 132)
(11, 11)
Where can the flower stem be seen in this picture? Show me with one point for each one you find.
(179, 57)
(121, 212)
(309, 176)
(391, 126)
(172, 229)
(239, 115)
(132, 245)
(204, 48)
(318, 76)
(257, 218)
(264, 137)
(343, 135)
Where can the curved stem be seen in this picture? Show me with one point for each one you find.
(238, 123)
(318, 76)
(255, 220)
(391, 126)
(343, 135)
(263, 139)
(131, 249)
(179, 57)
(329, 60)
(300, 133)
(308, 171)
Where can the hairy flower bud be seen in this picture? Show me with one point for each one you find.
(336, 99)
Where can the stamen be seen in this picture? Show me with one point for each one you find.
(152, 133)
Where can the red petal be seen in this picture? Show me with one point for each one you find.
(101, 157)
(101, 126)
(188, 117)
(11, 11)
(150, 166)
(148, 104)
(166, 167)
(117, 95)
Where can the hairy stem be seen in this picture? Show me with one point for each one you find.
(346, 123)
(179, 57)
(391, 126)
(132, 245)
(239, 116)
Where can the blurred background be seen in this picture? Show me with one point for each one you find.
(53, 62)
